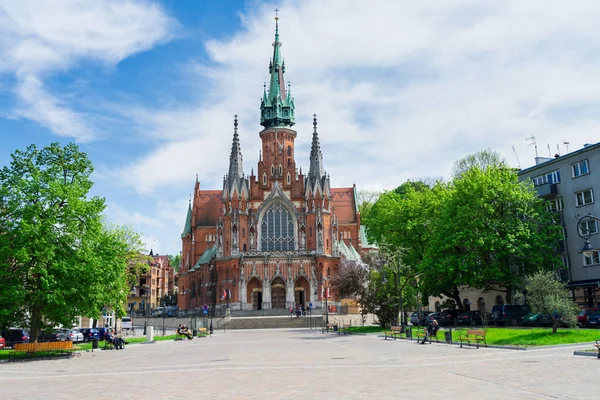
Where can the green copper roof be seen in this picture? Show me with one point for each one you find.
(188, 222)
(364, 240)
(277, 106)
(206, 256)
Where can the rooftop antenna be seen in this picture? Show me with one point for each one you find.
(534, 143)
(518, 162)
(558, 149)
(566, 143)
(549, 151)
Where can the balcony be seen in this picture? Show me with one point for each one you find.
(547, 190)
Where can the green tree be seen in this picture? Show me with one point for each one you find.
(493, 230)
(57, 258)
(174, 261)
(481, 160)
(366, 199)
(547, 295)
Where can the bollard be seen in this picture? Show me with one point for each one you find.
(150, 334)
(94, 344)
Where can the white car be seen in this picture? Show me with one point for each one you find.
(75, 335)
(126, 323)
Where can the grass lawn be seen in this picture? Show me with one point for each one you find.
(7, 353)
(513, 336)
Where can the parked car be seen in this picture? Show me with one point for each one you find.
(89, 334)
(15, 335)
(536, 319)
(471, 318)
(2, 343)
(173, 311)
(594, 320)
(582, 317)
(429, 319)
(511, 314)
(158, 312)
(418, 317)
(448, 317)
(102, 332)
(55, 335)
(75, 335)
(126, 323)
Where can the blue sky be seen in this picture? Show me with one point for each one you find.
(402, 89)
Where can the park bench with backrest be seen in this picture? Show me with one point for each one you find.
(327, 328)
(420, 335)
(473, 335)
(52, 349)
(202, 332)
(344, 329)
(394, 332)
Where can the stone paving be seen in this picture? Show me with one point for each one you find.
(303, 364)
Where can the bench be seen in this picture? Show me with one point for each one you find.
(202, 332)
(327, 328)
(394, 332)
(473, 335)
(420, 335)
(53, 349)
(344, 329)
(597, 345)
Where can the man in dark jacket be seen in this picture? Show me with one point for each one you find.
(431, 330)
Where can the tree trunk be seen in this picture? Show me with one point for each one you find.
(455, 295)
(36, 319)
(555, 322)
(509, 296)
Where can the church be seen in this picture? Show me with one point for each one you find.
(274, 238)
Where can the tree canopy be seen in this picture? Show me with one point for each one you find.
(58, 259)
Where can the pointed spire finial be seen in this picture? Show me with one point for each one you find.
(315, 123)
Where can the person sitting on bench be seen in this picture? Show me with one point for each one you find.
(431, 330)
(185, 332)
(118, 342)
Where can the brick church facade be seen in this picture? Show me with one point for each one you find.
(274, 238)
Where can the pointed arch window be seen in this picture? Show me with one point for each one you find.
(280, 169)
(272, 170)
(277, 229)
(264, 178)
(289, 151)
(289, 178)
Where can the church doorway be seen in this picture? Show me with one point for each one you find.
(254, 297)
(301, 292)
(278, 293)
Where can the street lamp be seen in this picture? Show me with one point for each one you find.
(147, 307)
(585, 234)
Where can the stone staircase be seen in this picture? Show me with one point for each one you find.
(274, 322)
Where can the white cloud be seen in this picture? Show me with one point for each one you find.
(38, 38)
(402, 89)
(122, 216)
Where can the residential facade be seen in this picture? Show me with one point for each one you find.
(570, 184)
(272, 238)
(152, 286)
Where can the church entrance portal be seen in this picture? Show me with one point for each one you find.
(257, 300)
(278, 293)
(301, 292)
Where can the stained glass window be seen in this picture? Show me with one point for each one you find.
(277, 229)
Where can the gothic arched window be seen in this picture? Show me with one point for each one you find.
(277, 229)
(289, 151)
(265, 178)
(289, 178)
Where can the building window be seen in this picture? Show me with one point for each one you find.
(280, 169)
(277, 229)
(550, 177)
(592, 260)
(580, 168)
(556, 204)
(272, 170)
(289, 178)
(584, 197)
(289, 151)
(265, 179)
(588, 227)
(499, 300)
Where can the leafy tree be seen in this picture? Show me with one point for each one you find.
(366, 199)
(493, 230)
(174, 261)
(57, 258)
(481, 160)
(547, 295)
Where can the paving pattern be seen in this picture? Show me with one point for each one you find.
(304, 364)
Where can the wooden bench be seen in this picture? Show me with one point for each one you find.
(473, 335)
(344, 329)
(327, 328)
(420, 335)
(597, 345)
(54, 349)
(202, 332)
(394, 332)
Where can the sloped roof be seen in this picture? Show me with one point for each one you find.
(364, 241)
(207, 209)
(343, 200)
(206, 256)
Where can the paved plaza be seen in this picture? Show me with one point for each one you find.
(304, 364)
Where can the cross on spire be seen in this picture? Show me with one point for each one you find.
(276, 12)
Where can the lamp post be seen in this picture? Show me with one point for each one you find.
(147, 307)
(585, 234)
(213, 294)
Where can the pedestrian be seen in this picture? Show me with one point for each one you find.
(291, 311)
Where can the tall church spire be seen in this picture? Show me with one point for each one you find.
(236, 168)
(316, 170)
(277, 108)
